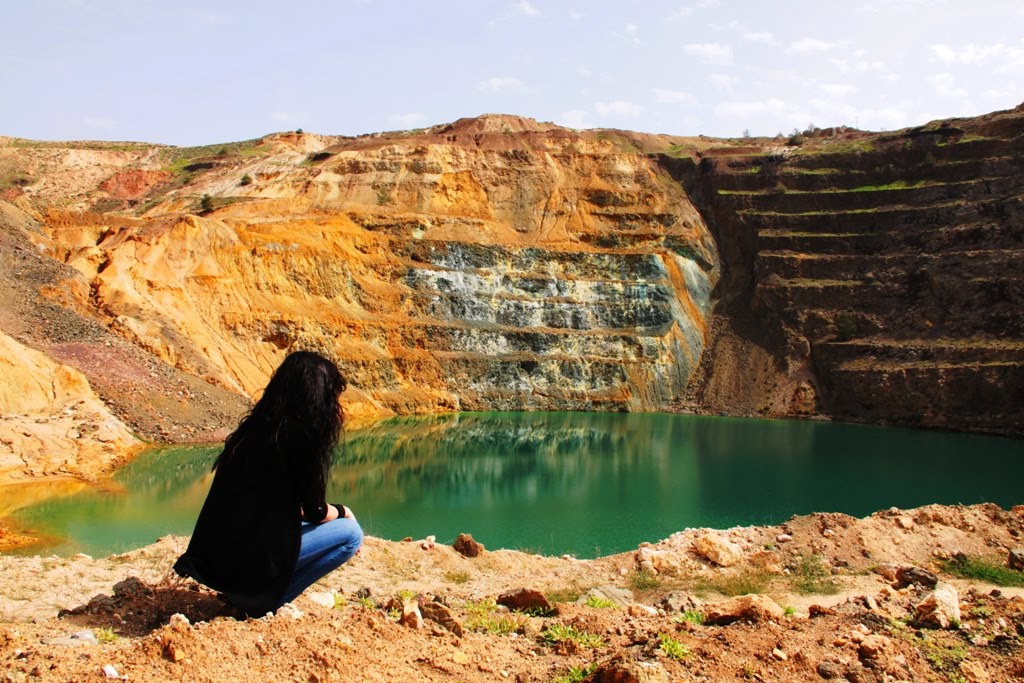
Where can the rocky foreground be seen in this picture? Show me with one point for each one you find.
(821, 597)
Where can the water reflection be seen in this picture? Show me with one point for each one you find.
(573, 482)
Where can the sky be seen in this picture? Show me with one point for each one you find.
(186, 72)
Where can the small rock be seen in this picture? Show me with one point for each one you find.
(779, 655)
(939, 609)
(174, 652)
(722, 552)
(767, 560)
(78, 557)
(874, 646)
(783, 538)
(110, 672)
(624, 669)
(819, 611)
(526, 600)
(974, 672)
(828, 533)
(887, 571)
(440, 614)
(411, 616)
(179, 622)
(829, 669)
(86, 636)
(1016, 559)
(290, 611)
(467, 547)
(904, 522)
(680, 601)
(638, 610)
(922, 577)
(749, 607)
(460, 657)
(322, 598)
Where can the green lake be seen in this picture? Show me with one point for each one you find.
(583, 483)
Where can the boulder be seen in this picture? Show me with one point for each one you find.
(753, 608)
(939, 609)
(526, 600)
(1016, 559)
(722, 552)
(467, 547)
(656, 561)
(922, 577)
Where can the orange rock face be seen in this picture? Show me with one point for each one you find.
(495, 263)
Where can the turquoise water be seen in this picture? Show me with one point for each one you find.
(582, 483)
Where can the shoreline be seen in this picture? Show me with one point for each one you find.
(352, 625)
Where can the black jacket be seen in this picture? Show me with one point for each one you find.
(246, 540)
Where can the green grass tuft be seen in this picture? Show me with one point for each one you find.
(672, 648)
(556, 633)
(644, 580)
(812, 578)
(600, 603)
(575, 674)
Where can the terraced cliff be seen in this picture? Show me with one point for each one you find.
(873, 279)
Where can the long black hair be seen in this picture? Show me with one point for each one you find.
(298, 412)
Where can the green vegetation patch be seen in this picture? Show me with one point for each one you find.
(600, 603)
(643, 580)
(692, 616)
(483, 616)
(813, 578)
(736, 583)
(672, 648)
(575, 674)
(556, 633)
(982, 570)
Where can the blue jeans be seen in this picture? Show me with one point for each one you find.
(325, 547)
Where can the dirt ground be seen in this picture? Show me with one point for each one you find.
(833, 613)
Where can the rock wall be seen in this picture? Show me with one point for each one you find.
(872, 279)
(465, 268)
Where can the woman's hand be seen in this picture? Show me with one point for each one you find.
(332, 513)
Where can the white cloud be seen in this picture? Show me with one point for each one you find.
(584, 71)
(710, 53)
(681, 13)
(665, 96)
(497, 84)
(409, 119)
(722, 81)
(764, 37)
(574, 118)
(526, 9)
(944, 85)
(705, 4)
(805, 45)
(523, 8)
(633, 34)
(1001, 57)
(618, 108)
(576, 15)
